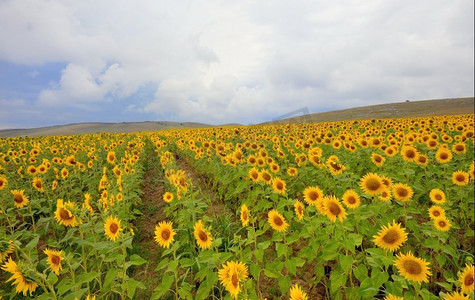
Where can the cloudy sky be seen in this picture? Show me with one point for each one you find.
(217, 61)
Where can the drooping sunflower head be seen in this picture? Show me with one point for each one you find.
(24, 283)
(402, 192)
(460, 178)
(202, 236)
(244, 215)
(19, 198)
(312, 194)
(54, 260)
(278, 185)
(412, 268)
(64, 213)
(390, 237)
(372, 184)
(164, 234)
(437, 196)
(456, 296)
(298, 207)
(277, 221)
(442, 223)
(6, 248)
(112, 228)
(296, 293)
(351, 199)
(466, 279)
(333, 209)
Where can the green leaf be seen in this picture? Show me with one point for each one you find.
(360, 272)
(271, 273)
(136, 260)
(163, 287)
(206, 286)
(110, 277)
(281, 249)
(162, 264)
(64, 286)
(186, 262)
(259, 253)
(52, 278)
(366, 289)
(255, 270)
(330, 251)
(345, 262)
(32, 244)
(75, 295)
(291, 266)
(337, 281)
(172, 266)
(131, 287)
(284, 284)
(86, 277)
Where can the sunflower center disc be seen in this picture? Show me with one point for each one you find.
(235, 280)
(438, 197)
(313, 195)
(114, 228)
(402, 192)
(351, 200)
(244, 215)
(460, 178)
(334, 209)
(436, 213)
(468, 280)
(412, 267)
(18, 198)
(55, 260)
(64, 214)
(391, 236)
(165, 234)
(373, 184)
(278, 221)
(203, 236)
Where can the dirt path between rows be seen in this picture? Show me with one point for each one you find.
(152, 212)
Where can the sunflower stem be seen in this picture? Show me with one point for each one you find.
(175, 273)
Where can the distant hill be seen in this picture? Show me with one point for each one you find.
(422, 108)
(85, 128)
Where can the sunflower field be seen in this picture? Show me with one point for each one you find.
(344, 210)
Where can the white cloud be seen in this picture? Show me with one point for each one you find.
(223, 61)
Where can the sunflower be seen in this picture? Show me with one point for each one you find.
(87, 203)
(467, 279)
(443, 155)
(402, 192)
(203, 237)
(312, 194)
(460, 178)
(112, 228)
(164, 234)
(54, 185)
(111, 157)
(64, 173)
(54, 260)
(296, 293)
(436, 212)
(3, 182)
(23, 282)
(437, 196)
(372, 184)
(412, 268)
(277, 221)
(31, 170)
(385, 195)
(422, 160)
(377, 159)
(38, 184)
(298, 207)
(333, 209)
(19, 199)
(390, 237)
(231, 275)
(456, 296)
(471, 171)
(351, 199)
(409, 153)
(388, 182)
(168, 197)
(292, 171)
(265, 176)
(335, 167)
(64, 215)
(442, 223)
(278, 185)
(244, 215)
(254, 174)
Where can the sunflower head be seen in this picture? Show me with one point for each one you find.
(312, 194)
(436, 212)
(298, 207)
(460, 178)
(168, 197)
(278, 185)
(351, 199)
(231, 275)
(443, 155)
(265, 176)
(112, 228)
(254, 174)
(372, 184)
(333, 209)
(54, 260)
(244, 215)
(442, 223)
(277, 221)
(202, 236)
(402, 192)
(409, 153)
(466, 279)
(292, 171)
(164, 234)
(390, 237)
(377, 159)
(437, 196)
(296, 293)
(38, 184)
(412, 268)
(64, 213)
(19, 198)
